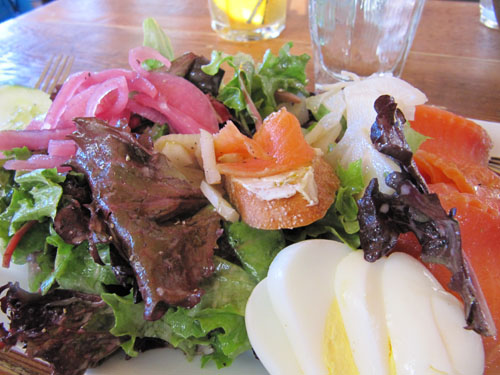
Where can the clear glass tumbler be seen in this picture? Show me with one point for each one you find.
(489, 13)
(248, 20)
(364, 37)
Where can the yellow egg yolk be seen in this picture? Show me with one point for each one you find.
(338, 354)
(392, 363)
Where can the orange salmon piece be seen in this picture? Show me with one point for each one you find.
(230, 140)
(454, 162)
(278, 146)
(452, 136)
(456, 154)
(480, 229)
(467, 177)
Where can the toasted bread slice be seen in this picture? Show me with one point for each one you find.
(286, 213)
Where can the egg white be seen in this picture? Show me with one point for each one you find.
(468, 357)
(359, 300)
(267, 335)
(415, 338)
(397, 318)
(300, 283)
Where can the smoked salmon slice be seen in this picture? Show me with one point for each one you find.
(480, 229)
(230, 141)
(453, 136)
(467, 177)
(278, 146)
(454, 164)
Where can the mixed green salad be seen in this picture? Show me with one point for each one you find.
(31, 200)
(125, 253)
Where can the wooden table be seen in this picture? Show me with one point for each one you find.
(454, 59)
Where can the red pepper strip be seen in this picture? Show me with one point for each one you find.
(9, 250)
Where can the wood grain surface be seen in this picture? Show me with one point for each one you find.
(454, 59)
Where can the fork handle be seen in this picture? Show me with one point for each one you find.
(16, 363)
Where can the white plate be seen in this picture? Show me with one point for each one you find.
(493, 129)
(173, 362)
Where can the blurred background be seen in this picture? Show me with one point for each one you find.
(13, 8)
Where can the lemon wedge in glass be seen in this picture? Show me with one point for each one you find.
(250, 12)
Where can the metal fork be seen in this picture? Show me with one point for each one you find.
(494, 164)
(55, 72)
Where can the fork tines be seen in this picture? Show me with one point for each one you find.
(494, 164)
(55, 72)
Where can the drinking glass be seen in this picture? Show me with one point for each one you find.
(248, 20)
(364, 37)
(489, 13)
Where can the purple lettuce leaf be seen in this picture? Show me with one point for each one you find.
(68, 329)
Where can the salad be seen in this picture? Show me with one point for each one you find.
(149, 203)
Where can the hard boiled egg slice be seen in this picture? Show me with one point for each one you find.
(300, 287)
(300, 283)
(426, 329)
(324, 310)
(267, 335)
(359, 300)
(464, 346)
(399, 320)
(415, 338)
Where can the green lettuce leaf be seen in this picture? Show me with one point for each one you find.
(228, 288)
(345, 206)
(19, 153)
(29, 196)
(37, 197)
(74, 268)
(129, 321)
(413, 137)
(259, 82)
(216, 322)
(255, 248)
(32, 242)
(41, 268)
(6, 188)
(155, 37)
